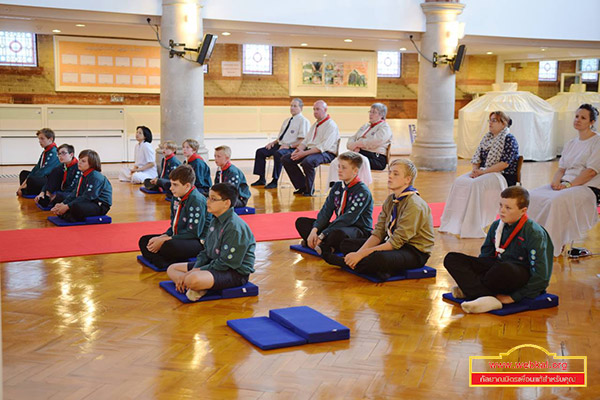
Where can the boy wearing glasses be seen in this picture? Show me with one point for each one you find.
(62, 180)
(227, 259)
(189, 223)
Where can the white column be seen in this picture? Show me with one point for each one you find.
(434, 148)
(499, 69)
(181, 81)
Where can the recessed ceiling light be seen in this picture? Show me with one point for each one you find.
(56, 30)
(303, 44)
(348, 40)
(402, 48)
(489, 52)
(226, 33)
(543, 49)
(80, 25)
(324, 55)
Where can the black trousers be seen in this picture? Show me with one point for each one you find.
(306, 180)
(34, 183)
(172, 251)
(378, 161)
(240, 202)
(261, 157)
(54, 181)
(161, 183)
(334, 238)
(58, 198)
(478, 277)
(83, 209)
(382, 264)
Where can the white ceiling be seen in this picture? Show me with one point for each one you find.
(98, 24)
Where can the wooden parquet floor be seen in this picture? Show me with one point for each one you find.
(98, 327)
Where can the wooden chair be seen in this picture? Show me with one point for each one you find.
(337, 152)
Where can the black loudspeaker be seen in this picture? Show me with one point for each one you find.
(459, 57)
(208, 45)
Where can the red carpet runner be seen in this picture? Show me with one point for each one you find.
(36, 244)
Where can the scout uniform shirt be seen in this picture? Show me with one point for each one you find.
(230, 173)
(376, 137)
(92, 186)
(352, 204)
(202, 171)
(71, 175)
(167, 165)
(530, 247)
(47, 162)
(323, 135)
(297, 127)
(411, 223)
(229, 244)
(189, 218)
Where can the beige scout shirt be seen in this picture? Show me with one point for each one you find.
(414, 224)
(297, 130)
(377, 139)
(326, 138)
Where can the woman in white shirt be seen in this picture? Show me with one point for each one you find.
(144, 159)
(567, 206)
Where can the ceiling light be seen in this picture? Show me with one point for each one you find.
(56, 30)
(303, 44)
(489, 52)
(402, 48)
(324, 55)
(543, 49)
(348, 40)
(80, 25)
(226, 33)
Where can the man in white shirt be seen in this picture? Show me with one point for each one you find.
(292, 131)
(318, 147)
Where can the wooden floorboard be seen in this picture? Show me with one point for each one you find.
(98, 327)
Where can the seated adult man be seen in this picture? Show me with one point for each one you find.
(62, 180)
(228, 255)
(371, 141)
(515, 260)
(403, 236)
(292, 131)
(318, 147)
(189, 223)
(352, 203)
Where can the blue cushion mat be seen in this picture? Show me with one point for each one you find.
(148, 191)
(148, 264)
(244, 210)
(265, 333)
(249, 289)
(417, 273)
(29, 196)
(308, 250)
(310, 324)
(102, 219)
(43, 208)
(545, 300)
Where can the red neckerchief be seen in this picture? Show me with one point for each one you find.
(69, 165)
(167, 158)
(514, 232)
(193, 157)
(83, 175)
(371, 127)
(46, 150)
(345, 194)
(224, 168)
(318, 125)
(181, 202)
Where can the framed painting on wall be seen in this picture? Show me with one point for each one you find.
(342, 73)
(106, 65)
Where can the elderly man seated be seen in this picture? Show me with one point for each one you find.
(318, 147)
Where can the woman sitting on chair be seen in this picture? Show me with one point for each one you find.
(472, 202)
(567, 206)
(371, 141)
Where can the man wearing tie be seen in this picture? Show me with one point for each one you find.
(293, 130)
(318, 147)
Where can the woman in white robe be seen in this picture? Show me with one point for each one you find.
(567, 207)
(371, 142)
(473, 200)
(144, 159)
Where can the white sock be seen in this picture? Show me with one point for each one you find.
(195, 295)
(481, 305)
(457, 293)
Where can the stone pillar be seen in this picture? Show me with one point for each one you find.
(181, 81)
(434, 148)
(499, 69)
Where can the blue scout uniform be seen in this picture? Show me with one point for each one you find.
(229, 244)
(189, 219)
(92, 186)
(230, 173)
(70, 178)
(47, 162)
(167, 165)
(202, 171)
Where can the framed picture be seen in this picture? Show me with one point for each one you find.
(315, 72)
